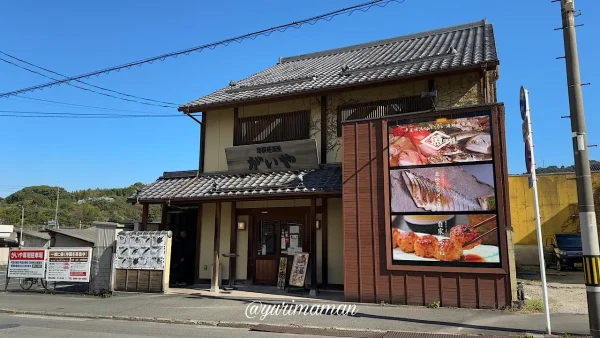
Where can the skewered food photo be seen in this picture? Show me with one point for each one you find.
(443, 189)
(467, 239)
(440, 141)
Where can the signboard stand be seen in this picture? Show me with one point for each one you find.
(282, 273)
(530, 164)
(298, 274)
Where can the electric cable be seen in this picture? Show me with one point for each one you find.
(364, 7)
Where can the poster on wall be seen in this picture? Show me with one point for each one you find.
(143, 250)
(456, 238)
(27, 263)
(443, 208)
(443, 189)
(440, 141)
(69, 264)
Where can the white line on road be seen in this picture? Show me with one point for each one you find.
(53, 318)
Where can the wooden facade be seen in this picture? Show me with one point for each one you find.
(369, 275)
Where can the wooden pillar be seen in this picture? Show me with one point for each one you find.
(313, 247)
(163, 217)
(144, 225)
(198, 241)
(324, 244)
(215, 272)
(233, 244)
(323, 129)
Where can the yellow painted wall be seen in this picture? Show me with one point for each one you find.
(207, 240)
(557, 201)
(453, 91)
(241, 267)
(335, 257)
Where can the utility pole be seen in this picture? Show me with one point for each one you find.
(22, 221)
(585, 194)
(56, 214)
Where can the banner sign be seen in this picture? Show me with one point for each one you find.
(279, 156)
(142, 250)
(27, 263)
(69, 265)
(443, 208)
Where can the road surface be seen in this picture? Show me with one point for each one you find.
(24, 326)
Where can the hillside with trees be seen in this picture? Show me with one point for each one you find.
(108, 205)
(562, 169)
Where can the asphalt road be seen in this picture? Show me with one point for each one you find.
(23, 326)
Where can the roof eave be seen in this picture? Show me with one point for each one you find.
(283, 195)
(489, 65)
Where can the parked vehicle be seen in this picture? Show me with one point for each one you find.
(565, 251)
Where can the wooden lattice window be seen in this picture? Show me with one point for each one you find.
(272, 128)
(376, 109)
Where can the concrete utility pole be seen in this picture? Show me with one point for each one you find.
(56, 214)
(22, 221)
(585, 194)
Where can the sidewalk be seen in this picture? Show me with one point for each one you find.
(201, 308)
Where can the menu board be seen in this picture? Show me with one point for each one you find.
(69, 264)
(27, 263)
(142, 250)
(299, 269)
(282, 272)
(443, 207)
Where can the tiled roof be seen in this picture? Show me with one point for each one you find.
(186, 185)
(443, 49)
(35, 233)
(88, 235)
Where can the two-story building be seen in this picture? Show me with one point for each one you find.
(384, 161)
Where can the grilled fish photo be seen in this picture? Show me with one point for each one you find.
(429, 196)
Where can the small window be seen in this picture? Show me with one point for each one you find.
(272, 128)
(376, 109)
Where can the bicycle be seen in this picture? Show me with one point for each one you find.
(27, 283)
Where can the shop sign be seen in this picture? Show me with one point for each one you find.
(27, 263)
(299, 266)
(282, 272)
(279, 156)
(141, 250)
(69, 265)
(443, 208)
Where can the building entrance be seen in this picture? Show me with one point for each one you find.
(276, 234)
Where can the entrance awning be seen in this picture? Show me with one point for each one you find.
(189, 186)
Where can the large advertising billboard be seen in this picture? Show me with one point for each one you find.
(443, 192)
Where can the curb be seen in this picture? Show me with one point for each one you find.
(237, 325)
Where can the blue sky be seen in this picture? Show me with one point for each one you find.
(74, 37)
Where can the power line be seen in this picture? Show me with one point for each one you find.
(82, 88)
(85, 83)
(364, 7)
(79, 105)
(85, 114)
(89, 116)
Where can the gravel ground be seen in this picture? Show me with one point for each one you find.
(566, 292)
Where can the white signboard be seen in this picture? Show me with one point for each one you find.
(69, 265)
(142, 250)
(27, 263)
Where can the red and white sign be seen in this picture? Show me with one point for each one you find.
(27, 263)
(69, 264)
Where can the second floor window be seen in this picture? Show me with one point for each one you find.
(376, 109)
(272, 128)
